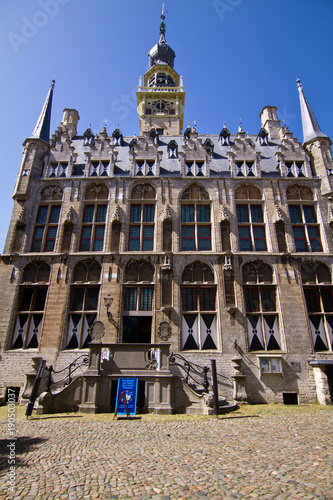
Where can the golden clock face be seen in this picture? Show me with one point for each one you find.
(159, 107)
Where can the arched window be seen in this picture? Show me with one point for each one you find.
(94, 218)
(303, 219)
(46, 225)
(138, 302)
(261, 307)
(142, 218)
(84, 295)
(31, 304)
(198, 307)
(318, 292)
(195, 219)
(250, 218)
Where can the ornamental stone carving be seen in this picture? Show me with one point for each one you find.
(224, 217)
(167, 217)
(164, 331)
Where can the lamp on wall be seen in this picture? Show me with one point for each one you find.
(108, 302)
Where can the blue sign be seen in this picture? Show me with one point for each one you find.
(128, 387)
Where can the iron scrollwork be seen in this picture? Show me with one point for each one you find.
(195, 375)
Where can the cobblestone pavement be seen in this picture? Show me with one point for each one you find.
(271, 456)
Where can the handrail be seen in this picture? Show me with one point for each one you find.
(191, 370)
(71, 368)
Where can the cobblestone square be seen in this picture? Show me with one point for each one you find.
(267, 451)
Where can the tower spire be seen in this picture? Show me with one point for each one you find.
(311, 129)
(162, 26)
(42, 129)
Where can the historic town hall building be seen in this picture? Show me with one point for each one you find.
(213, 247)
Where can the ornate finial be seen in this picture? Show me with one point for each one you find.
(240, 128)
(299, 85)
(223, 124)
(162, 26)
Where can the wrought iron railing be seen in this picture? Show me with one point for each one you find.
(195, 375)
(68, 371)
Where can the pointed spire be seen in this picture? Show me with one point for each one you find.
(162, 26)
(311, 129)
(42, 129)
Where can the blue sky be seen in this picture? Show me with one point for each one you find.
(235, 56)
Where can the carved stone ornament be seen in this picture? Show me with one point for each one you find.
(167, 263)
(227, 266)
(279, 216)
(97, 331)
(167, 214)
(164, 331)
(330, 214)
(116, 216)
(224, 217)
(69, 219)
(22, 216)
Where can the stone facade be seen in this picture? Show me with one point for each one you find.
(220, 244)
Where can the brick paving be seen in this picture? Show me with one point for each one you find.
(272, 456)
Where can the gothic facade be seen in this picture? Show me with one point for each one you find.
(220, 245)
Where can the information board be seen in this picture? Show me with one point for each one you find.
(130, 387)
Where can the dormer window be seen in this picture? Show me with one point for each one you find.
(263, 137)
(208, 145)
(172, 150)
(89, 138)
(117, 137)
(132, 144)
(57, 169)
(225, 136)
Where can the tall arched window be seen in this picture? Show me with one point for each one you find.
(250, 219)
(31, 304)
(261, 307)
(94, 218)
(142, 217)
(303, 219)
(138, 302)
(46, 225)
(195, 219)
(318, 292)
(199, 307)
(84, 295)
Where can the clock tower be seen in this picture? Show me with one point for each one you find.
(161, 99)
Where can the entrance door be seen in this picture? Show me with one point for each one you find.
(137, 329)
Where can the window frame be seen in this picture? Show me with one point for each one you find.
(322, 313)
(252, 226)
(94, 225)
(142, 225)
(196, 225)
(84, 312)
(30, 312)
(46, 226)
(304, 226)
